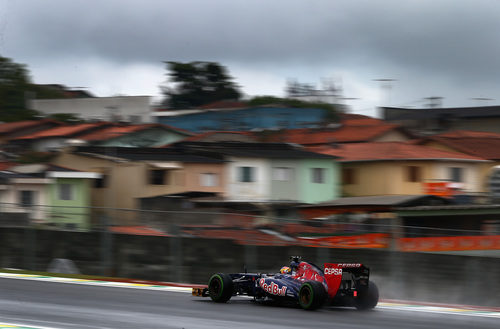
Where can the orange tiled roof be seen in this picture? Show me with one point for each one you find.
(346, 134)
(13, 126)
(477, 143)
(117, 131)
(64, 131)
(379, 151)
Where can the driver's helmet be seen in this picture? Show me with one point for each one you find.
(285, 270)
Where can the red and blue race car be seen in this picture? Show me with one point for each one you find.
(337, 284)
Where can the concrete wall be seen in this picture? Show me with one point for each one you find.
(124, 108)
(410, 276)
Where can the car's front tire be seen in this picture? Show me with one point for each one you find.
(367, 298)
(312, 295)
(220, 287)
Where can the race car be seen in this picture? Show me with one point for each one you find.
(337, 284)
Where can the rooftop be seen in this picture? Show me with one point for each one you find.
(120, 130)
(481, 144)
(145, 154)
(253, 150)
(6, 128)
(352, 129)
(65, 131)
(397, 113)
(386, 151)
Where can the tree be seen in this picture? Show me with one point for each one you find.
(14, 84)
(197, 83)
(16, 88)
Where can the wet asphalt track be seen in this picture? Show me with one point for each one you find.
(59, 305)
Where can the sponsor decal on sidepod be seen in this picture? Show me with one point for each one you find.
(272, 288)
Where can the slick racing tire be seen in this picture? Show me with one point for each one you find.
(312, 295)
(368, 298)
(220, 287)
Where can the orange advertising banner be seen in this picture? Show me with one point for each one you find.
(442, 189)
(452, 243)
(371, 240)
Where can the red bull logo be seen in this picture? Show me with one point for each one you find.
(272, 288)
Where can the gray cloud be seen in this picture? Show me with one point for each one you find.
(446, 47)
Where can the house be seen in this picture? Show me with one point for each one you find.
(398, 168)
(428, 121)
(349, 130)
(12, 130)
(47, 194)
(239, 172)
(129, 174)
(242, 118)
(134, 109)
(273, 171)
(481, 144)
(142, 135)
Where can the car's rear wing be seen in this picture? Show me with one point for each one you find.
(334, 274)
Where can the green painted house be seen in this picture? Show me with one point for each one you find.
(274, 172)
(50, 195)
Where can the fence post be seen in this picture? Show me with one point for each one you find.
(176, 252)
(322, 256)
(29, 248)
(250, 257)
(106, 246)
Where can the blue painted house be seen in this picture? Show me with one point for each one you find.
(243, 119)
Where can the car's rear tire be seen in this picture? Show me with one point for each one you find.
(367, 299)
(312, 295)
(220, 287)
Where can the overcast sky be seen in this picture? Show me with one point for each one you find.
(445, 48)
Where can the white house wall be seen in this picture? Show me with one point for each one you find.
(471, 179)
(10, 199)
(49, 144)
(123, 108)
(259, 190)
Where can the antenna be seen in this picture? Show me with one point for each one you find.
(386, 88)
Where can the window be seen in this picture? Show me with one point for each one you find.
(456, 174)
(65, 192)
(158, 177)
(348, 176)
(413, 174)
(246, 174)
(282, 173)
(318, 175)
(26, 198)
(208, 179)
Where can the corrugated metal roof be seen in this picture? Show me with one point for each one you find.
(254, 150)
(146, 154)
(382, 200)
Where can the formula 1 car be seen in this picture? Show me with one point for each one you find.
(308, 285)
